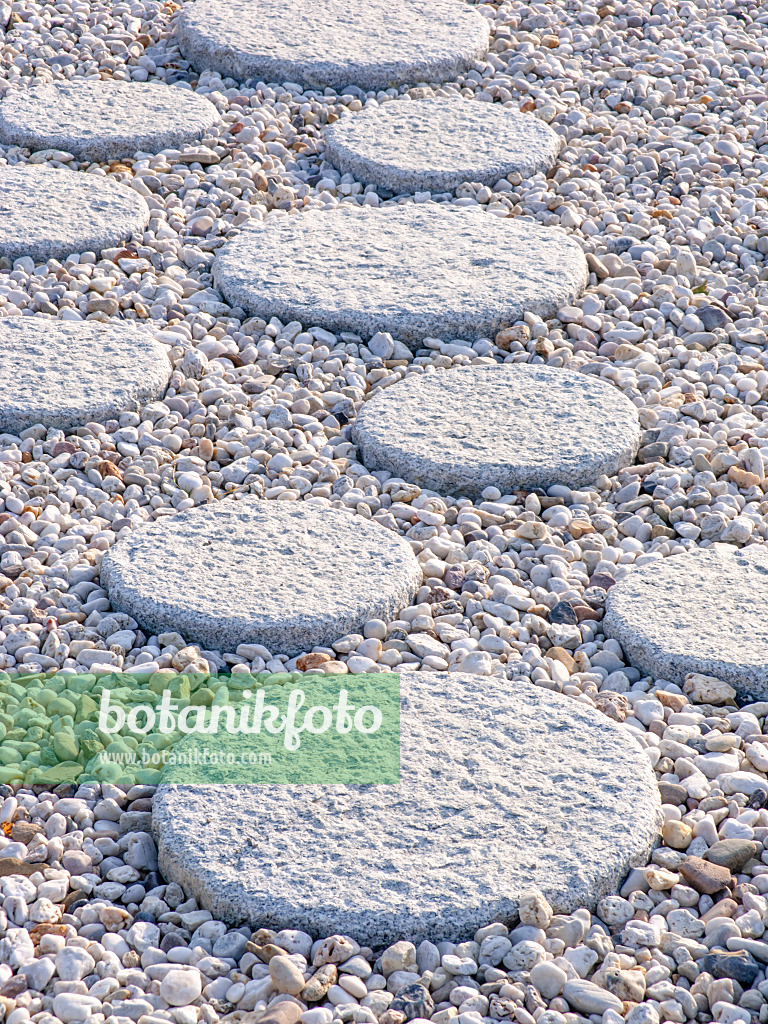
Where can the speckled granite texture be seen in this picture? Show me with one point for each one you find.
(49, 213)
(502, 788)
(702, 611)
(416, 271)
(435, 144)
(104, 120)
(282, 574)
(514, 427)
(65, 374)
(373, 44)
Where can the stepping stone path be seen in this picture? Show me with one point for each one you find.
(416, 271)
(104, 120)
(514, 427)
(65, 374)
(288, 576)
(494, 783)
(371, 44)
(47, 213)
(435, 144)
(703, 611)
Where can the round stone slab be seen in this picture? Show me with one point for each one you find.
(372, 44)
(64, 374)
(416, 271)
(49, 213)
(500, 790)
(703, 611)
(104, 120)
(435, 144)
(514, 427)
(286, 575)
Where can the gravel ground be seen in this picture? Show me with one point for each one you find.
(661, 109)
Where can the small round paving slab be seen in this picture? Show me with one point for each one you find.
(64, 374)
(104, 120)
(501, 789)
(416, 271)
(435, 144)
(286, 575)
(702, 611)
(371, 44)
(49, 213)
(514, 427)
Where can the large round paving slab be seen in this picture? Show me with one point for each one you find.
(104, 120)
(514, 427)
(416, 271)
(65, 374)
(501, 790)
(286, 575)
(371, 44)
(50, 213)
(702, 611)
(435, 144)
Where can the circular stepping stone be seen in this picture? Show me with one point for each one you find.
(436, 144)
(500, 791)
(48, 213)
(416, 271)
(64, 374)
(286, 575)
(703, 611)
(514, 427)
(104, 120)
(372, 44)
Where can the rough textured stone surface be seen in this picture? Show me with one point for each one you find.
(509, 426)
(435, 144)
(531, 789)
(47, 213)
(373, 44)
(703, 611)
(104, 120)
(64, 374)
(416, 271)
(286, 575)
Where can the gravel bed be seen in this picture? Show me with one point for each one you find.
(661, 179)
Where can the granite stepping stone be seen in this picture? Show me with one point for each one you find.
(49, 213)
(435, 144)
(371, 44)
(104, 120)
(501, 789)
(286, 575)
(65, 374)
(416, 271)
(515, 427)
(702, 611)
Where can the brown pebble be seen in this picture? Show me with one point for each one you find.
(16, 866)
(704, 876)
(674, 701)
(285, 1012)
